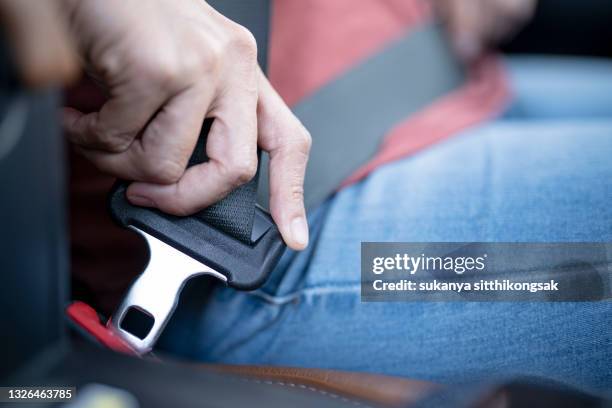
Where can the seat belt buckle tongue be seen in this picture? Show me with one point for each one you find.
(153, 296)
(235, 240)
(181, 248)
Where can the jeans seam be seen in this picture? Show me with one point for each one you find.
(316, 290)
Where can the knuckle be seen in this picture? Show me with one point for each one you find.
(179, 207)
(209, 56)
(245, 172)
(165, 74)
(178, 204)
(117, 146)
(207, 59)
(243, 42)
(240, 171)
(110, 63)
(113, 141)
(296, 192)
(163, 171)
(159, 69)
(306, 141)
(301, 142)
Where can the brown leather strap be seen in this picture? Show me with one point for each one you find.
(373, 388)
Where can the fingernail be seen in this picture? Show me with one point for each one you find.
(299, 231)
(141, 201)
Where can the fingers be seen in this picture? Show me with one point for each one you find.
(118, 122)
(467, 27)
(477, 24)
(163, 83)
(288, 144)
(161, 153)
(287, 168)
(232, 151)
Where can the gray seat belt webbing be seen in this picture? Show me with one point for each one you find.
(235, 214)
(349, 117)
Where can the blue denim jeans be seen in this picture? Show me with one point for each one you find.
(542, 172)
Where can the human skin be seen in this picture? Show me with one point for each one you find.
(167, 65)
(475, 25)
(39, 42)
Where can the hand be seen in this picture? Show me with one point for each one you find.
(477, 24)
(167, 65)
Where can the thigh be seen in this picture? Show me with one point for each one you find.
(503, 182)
(507, 181)
(567, 88)
(513, 180)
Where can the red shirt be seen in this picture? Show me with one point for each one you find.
(312, 42)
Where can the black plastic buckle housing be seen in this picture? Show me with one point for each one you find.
(246, 266)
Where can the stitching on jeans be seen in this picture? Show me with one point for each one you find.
(309, 388)
(311, 291)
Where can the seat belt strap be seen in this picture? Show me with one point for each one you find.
(235, 214)
(349, 118)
